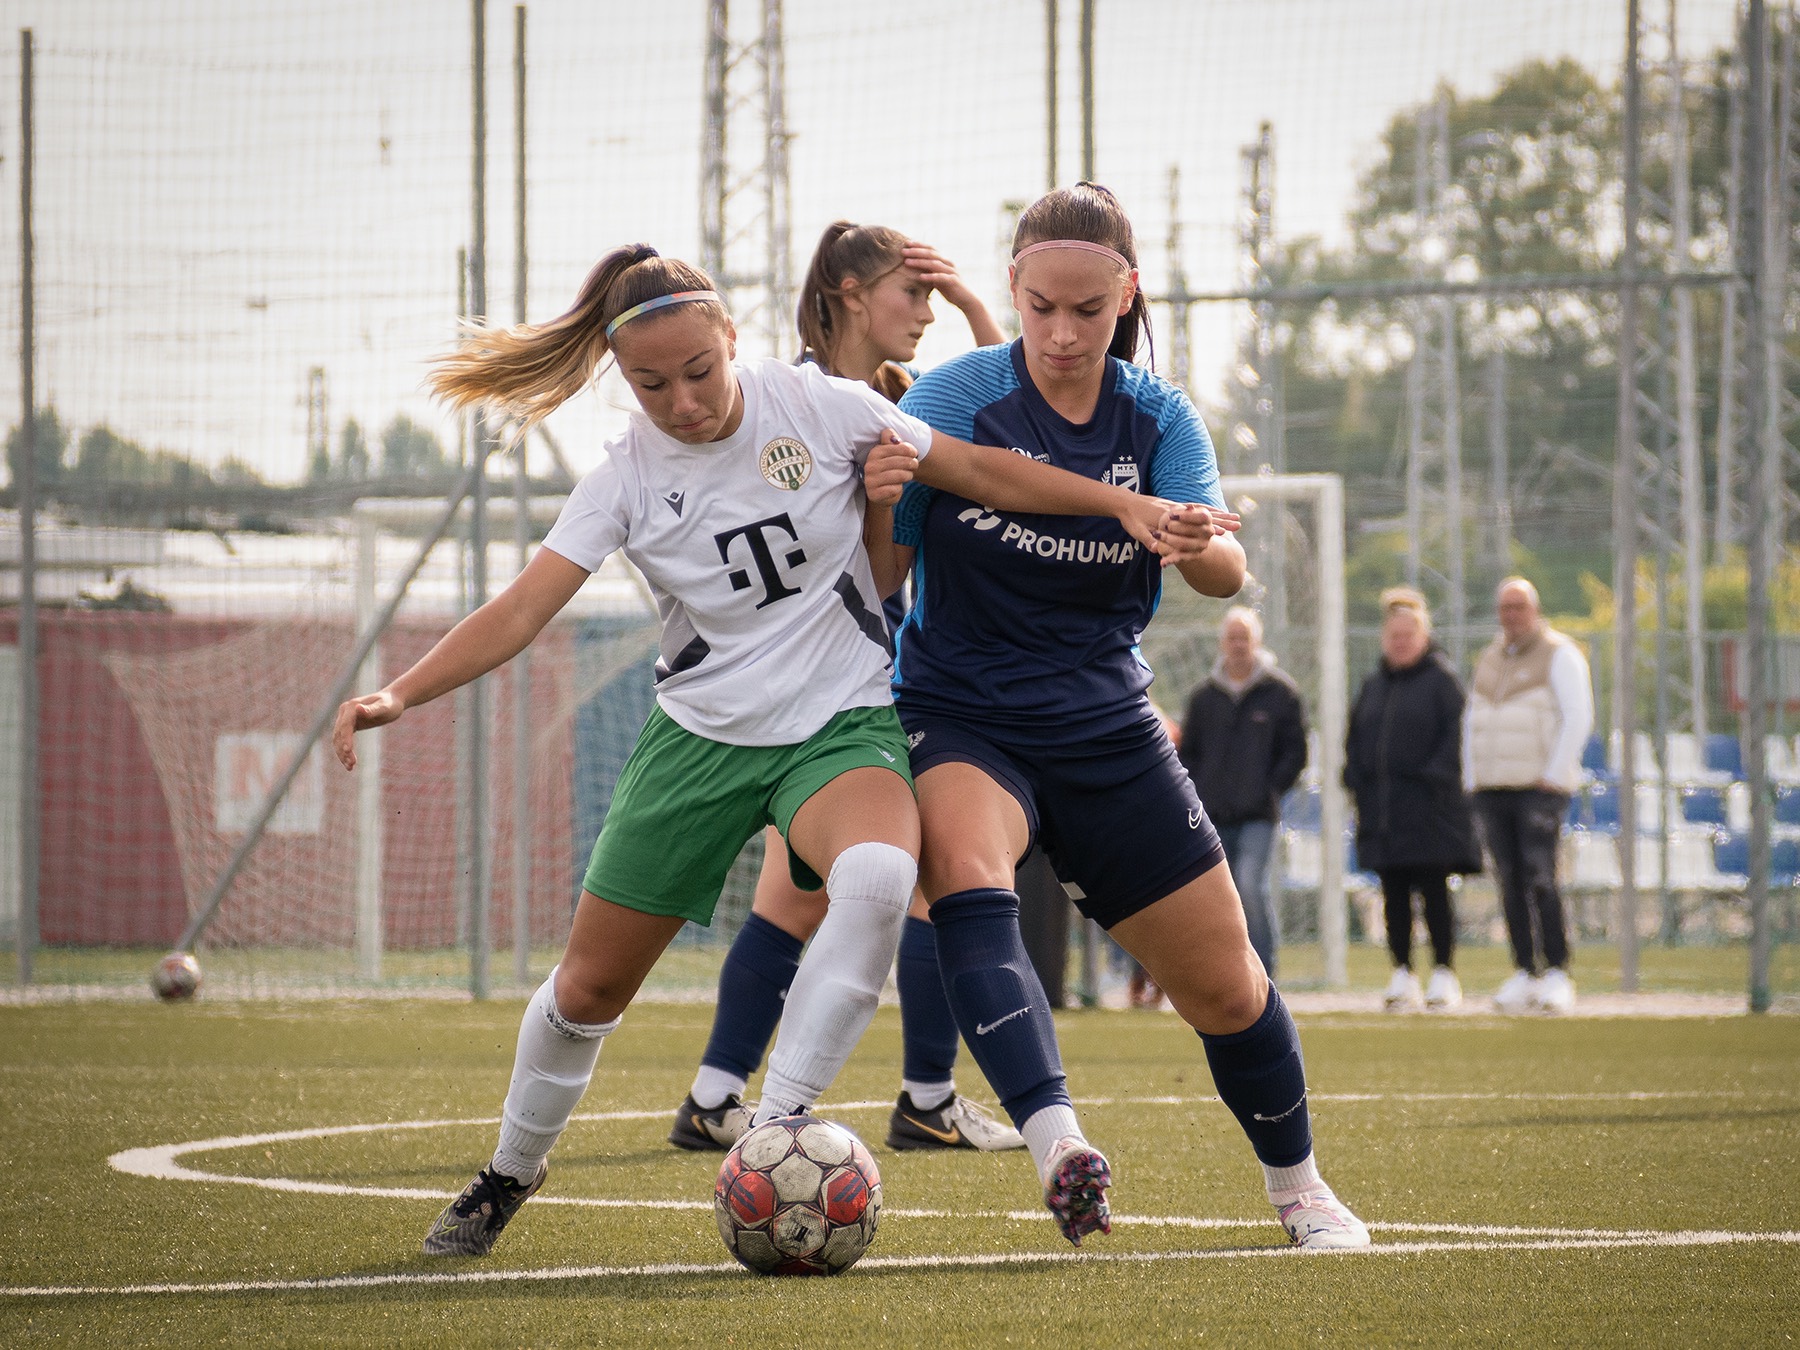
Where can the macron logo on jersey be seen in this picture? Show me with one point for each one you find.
(675, 500)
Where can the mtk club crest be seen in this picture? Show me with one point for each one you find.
(785, 463)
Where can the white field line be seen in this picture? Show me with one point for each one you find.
(1698, 1238)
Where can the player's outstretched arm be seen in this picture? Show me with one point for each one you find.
(1004, 481)
(1217, 570)
(490, 637)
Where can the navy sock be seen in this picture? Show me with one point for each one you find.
(1260, 1076)
(997, 999)
(752, 984)
(927, 1026)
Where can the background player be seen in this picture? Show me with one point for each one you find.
(739, 495)
(1042, 617)
(865, 303)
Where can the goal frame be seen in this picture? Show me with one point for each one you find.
(1323, 494)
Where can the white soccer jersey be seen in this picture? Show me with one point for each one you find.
(753, 548)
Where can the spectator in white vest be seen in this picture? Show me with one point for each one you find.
(1531, 709)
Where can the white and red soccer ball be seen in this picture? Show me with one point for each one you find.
(177, 976)
(798, 1197)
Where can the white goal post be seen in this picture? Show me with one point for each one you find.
(1324, 494)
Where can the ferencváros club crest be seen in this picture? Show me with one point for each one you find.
(785, 463)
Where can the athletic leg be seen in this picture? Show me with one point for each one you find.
(975, 834)
(753, 986)
(1195, 945)
(860, 832)
(610, 950)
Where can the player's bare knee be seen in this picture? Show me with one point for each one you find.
(589, 997)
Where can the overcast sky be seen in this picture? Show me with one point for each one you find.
(230, 192)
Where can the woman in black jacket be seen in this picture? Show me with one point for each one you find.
(1403, 761)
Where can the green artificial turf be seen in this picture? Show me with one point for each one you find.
(1663, 1126)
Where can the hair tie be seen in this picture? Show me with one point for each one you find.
(661, 302)
(1084, 245)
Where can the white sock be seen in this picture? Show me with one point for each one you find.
(1286, 1184)
(840, 977)
(551, 1069)
(1044, 1129)
(712, 1086)
(928, 1096)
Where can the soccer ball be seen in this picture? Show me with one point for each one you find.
(176, 977)
(798, 1197)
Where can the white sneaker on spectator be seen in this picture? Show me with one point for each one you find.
(1519, 993)
(1556, 991)
(1403, 993)
(1443, 989)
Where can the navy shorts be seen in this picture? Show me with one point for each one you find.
(1117, 815)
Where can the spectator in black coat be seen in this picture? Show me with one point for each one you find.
(1414, 825)
(1244, 744)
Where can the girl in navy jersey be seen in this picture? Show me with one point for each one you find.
(865, 303)
(739, 494)
(1023, 694)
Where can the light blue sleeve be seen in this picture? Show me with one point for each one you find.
(948, 398)
(1185, 468)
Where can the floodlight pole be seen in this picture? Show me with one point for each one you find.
(1625, 527)
(521, 670)
(480, 880)
(27, 931)
(1752, 264)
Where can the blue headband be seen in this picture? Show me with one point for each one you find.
(661, 301)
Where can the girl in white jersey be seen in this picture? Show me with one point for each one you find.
(739, 495)
(864, 305)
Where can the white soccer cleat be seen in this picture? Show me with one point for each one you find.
(1402, 992)
(1318, 1221)
(1443, 990)
(1556, 991)
(1519, 993)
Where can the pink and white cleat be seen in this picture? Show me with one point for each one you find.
(1075, 1192)
(1318, 1221)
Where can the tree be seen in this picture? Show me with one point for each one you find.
(52, 444)
(408, 450)
(104, 456)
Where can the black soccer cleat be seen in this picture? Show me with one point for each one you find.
(715, 1130)
(958, 1123)
(470, 1223)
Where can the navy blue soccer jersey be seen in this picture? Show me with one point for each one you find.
(1031, 623)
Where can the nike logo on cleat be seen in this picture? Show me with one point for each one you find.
(951, 1136)
(982, 1028)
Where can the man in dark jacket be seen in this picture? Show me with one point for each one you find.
(1244, 744)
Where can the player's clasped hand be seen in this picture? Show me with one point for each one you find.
(359, 714)
(889, 468)
(1188, 528)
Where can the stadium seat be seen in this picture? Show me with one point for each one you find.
(1703, 806)
(1692, 867)
(1603, 800)
(1787, 805)
(1737, 807)
(1724, 756)
(1581, 816)
(1784, 863)
(1643, 750)
(1731, 855)
(1593, 759)
(1681, 753)
(1593, 862)
(1778, 757)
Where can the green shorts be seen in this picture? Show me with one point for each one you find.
(685, 806)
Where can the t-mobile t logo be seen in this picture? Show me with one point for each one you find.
(762, 554)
